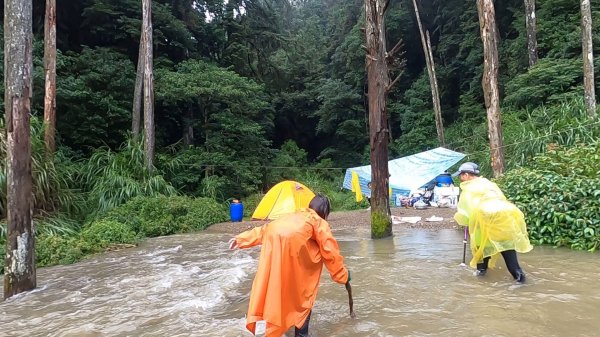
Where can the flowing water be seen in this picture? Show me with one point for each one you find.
(408, 285)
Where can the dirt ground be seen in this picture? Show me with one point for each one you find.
(361, 219)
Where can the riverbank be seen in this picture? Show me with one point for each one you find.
(361, 219)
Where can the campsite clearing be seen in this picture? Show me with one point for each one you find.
(360, 219)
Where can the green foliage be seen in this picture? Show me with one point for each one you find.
(544, 83)
(52, 179)
(417, 118)
(58, 249)
(101, 233)
(94, 95)
(526, 133)
(113, 178)
(52, 249)
(160, 215)
(529, 133)
(230, 118)
(341, 118)
(287, 163)
(560, 195)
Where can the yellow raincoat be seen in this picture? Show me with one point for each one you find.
(294, 249)
(495, 224)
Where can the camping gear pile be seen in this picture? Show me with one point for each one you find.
(406, 174)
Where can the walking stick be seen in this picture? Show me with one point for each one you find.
(465, 247)
(350, 301)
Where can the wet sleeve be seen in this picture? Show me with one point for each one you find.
(250, 237)
(463, 208)
(330, 252)
(462, 214)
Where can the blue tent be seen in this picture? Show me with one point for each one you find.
(407, 173)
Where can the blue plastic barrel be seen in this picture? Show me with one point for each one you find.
(236, 210)
(444, 179)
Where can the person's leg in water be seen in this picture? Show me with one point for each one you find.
(303, 331)
(483, 266)
(512, 264)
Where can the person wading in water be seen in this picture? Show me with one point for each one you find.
(294, 249)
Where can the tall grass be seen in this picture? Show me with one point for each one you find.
(533, 132)
(112, 178)
(527, 133)
(52, 182)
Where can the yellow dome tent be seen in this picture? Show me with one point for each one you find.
(283, 198)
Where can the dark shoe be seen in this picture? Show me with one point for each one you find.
(520, 276)
(480, 272)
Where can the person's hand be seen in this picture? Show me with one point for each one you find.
(233, 243)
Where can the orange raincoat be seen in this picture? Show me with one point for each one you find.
(294, 248)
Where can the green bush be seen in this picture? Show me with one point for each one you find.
(58, 249)
(549, 81)
(560, 196)
(102, 233)
(160, 215)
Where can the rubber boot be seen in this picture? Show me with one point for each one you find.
(520, 278)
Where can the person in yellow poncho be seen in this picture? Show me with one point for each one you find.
(495, 224)
(294, 249)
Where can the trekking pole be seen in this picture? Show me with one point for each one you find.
(465, 247)
(350, 300)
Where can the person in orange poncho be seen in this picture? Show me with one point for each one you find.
(495, 224)
(294, 249)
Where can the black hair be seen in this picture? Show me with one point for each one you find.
(321, 205)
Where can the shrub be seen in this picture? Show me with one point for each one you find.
(160, 215)
(58, 249)
(560, 196)
(101, 233)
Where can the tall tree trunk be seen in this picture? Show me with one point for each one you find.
(19, 271)
(136, 116)
(437, 107)
(435, 96)
(50, 77)
(378, 81)
(489, 37)
(531, 32)
(148, 85)
(588, 58)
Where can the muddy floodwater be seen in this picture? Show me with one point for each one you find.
(409, 285)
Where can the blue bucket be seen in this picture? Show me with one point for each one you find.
(444, 180)
(236, 210)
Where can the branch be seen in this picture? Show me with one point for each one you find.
(390, 55)
(389, 87)
(385, 7)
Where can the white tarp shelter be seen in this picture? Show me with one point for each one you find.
(407, 173)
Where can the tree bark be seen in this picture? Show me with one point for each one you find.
(50, 77)
(378, 85)
(435, 97)
(588, 59)
(136, 116)
(489, 37)
(19, 272)
(530, 25)
(148, 85)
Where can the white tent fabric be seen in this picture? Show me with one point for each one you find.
(408, 173)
